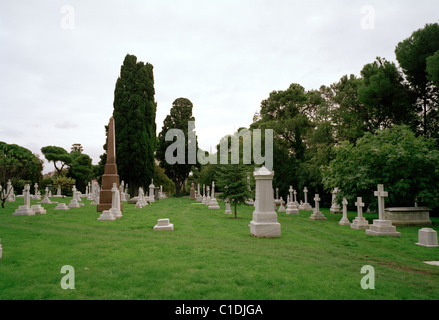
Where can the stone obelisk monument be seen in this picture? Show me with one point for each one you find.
(110, 175)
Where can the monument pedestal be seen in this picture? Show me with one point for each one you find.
(106, 216)
(317, 215)
(265, 229)
(24, 211)
(264, 223)
(382, 228)
(163, 224)
(360, 224)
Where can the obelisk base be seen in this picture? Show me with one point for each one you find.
(105, 195)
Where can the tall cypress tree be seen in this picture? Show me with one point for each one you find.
(135, 128)
(180, 115)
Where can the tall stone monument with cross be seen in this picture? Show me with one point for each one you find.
(292, 207)
(317, 215)
(382, 227)
(305, 206)
(360, 223)
(110, 175)
(344, 220)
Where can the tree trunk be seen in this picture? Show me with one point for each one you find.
(177, 188)
(236, 215)
(425, 117)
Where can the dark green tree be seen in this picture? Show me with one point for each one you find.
(407, 165)
(18, 164)
(348, 115)
(57, 154)
(413, 54)
(232, 178)
(179, 117)
(134, 117)
(433, 68)
(81, 170)
(386, 98)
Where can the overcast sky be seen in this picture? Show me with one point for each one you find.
(59, 60)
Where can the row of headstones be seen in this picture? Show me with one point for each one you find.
(293, 206)
(9, 192)
(265, 224)
(29, 210)
(208, 200)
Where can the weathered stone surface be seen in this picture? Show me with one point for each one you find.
(427, 237)
(409, 216)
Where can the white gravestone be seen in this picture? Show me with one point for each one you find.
(37, 195)
(360, 223)
(46, 199)
(344, 220)
(38, 209)
(151, 191)
(199, 195)
(74, 203)
(264, 223)
(213, 202)
(335, 207)
(281, 207)
(62, 206)
(10, 192)
(427, 237)
(204, 195)
(305, 206)
(163, 224)
(317, 215)
(382, 227)
(228, 207)
(114, 213)
(291, 206)
(25, 209)
(115, 202)
(208, 196)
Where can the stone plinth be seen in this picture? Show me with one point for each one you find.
(382, 228)
(163, 224)
(38, 209)
(410, 216)
(61, 206)
(106, 216)
(360, 223)
(24, 211)
(264, 223)
(427, 237)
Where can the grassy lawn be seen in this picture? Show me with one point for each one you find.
(209, 256)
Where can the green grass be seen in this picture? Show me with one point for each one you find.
(209, 256)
